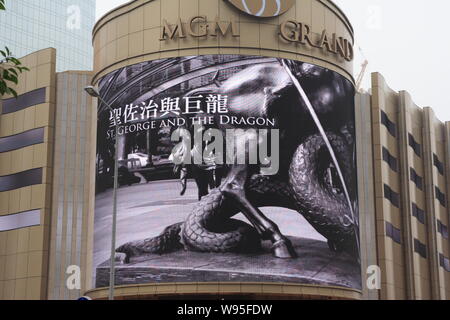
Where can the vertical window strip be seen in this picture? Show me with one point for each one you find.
(390, 160)
(418, 213)
(438, 164)
(440, 196)
(442, 229)
(393, 233)
(418, 180)
(444, 262)
(390, 126)
(392, 196)
(420, 248)
(415, 145)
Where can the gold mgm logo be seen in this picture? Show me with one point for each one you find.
(263, 8)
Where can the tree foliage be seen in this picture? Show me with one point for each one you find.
(10, 68)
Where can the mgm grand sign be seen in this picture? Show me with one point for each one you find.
(291, 31)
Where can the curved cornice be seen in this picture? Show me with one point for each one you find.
(104, 66)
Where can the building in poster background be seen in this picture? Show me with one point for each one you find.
(216, 220)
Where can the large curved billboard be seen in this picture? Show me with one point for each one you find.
(232, 168)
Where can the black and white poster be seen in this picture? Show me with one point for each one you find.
(231, 168)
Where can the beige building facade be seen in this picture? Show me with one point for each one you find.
(27, 163)
(48, 188)
(44, 171)
(407, 216)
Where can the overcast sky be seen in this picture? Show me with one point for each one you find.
(408, 41)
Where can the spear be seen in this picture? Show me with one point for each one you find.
(328, 144)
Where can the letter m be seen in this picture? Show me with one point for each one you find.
(223, 28)
(170, 31)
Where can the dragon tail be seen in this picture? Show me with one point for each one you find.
(169, 240)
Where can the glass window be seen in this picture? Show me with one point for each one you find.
(20, 220)
(418, 213)
(21, 179)
(31, 25)
(24, 101)
(442, 229)
(444, 262)
(418, 180)
(420, 248)
(438, 164)
(392, 196)
(390, 126)
(390, 160)
(22, 140)
(415, 145)
(440, 196)
(393, 233)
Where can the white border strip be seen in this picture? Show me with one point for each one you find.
(20, 220)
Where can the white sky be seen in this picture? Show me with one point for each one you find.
(407, 41)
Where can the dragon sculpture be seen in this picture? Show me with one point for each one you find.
(306, 181)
